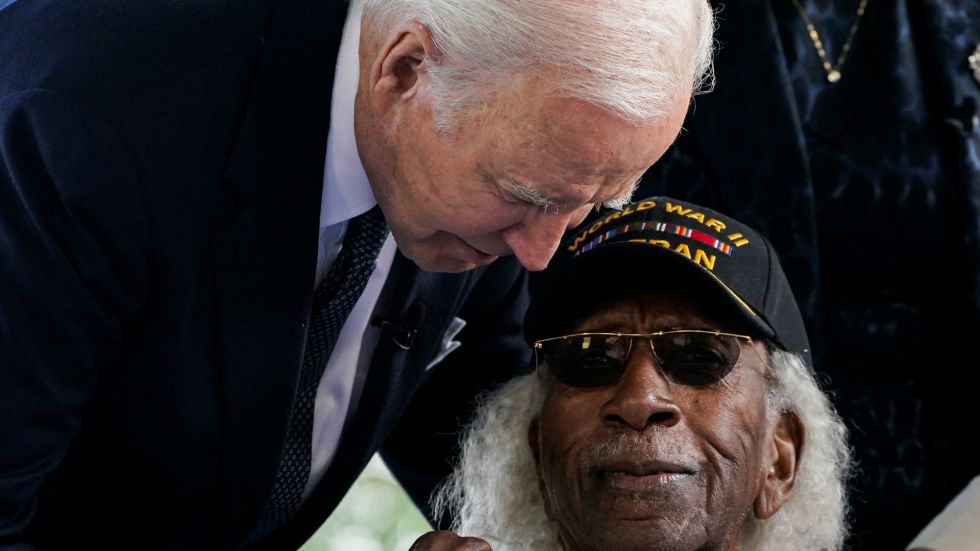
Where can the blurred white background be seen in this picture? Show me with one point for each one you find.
(375, 515)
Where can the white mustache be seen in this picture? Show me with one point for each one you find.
(646, 445)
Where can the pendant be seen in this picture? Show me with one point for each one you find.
(833, 76)
(974, 61)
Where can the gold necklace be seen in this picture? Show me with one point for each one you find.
(833, 73)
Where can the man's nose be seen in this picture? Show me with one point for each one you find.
(642, 396)
(535, 239)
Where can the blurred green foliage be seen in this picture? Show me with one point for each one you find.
(375, 515)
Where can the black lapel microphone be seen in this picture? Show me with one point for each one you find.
(404, 329)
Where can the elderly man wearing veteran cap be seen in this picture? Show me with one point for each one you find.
(673, 406)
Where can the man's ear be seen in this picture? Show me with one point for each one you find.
(399, 67)
(534, 440)
(780, 464)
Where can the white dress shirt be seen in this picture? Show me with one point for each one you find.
(346, 194)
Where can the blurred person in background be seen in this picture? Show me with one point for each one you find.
(860, 160)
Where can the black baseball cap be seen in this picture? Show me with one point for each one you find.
(660, 232)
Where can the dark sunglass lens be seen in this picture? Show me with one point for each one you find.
(585, 361)
(696, 359)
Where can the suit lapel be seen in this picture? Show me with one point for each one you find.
(395, 373)
(266, 256)
(392, 379)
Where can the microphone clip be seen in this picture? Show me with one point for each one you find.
(402, 331)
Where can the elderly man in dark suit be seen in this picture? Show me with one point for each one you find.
(206, 328)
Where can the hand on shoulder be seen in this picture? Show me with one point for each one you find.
(445, 540)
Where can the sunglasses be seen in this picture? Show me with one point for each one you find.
(689, 357)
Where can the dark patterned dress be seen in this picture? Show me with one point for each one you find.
(885, 265)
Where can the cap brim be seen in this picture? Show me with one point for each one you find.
(579, 282)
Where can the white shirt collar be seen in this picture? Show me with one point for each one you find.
(346, 190)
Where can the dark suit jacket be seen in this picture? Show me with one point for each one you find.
(160, 179)
(901, 373)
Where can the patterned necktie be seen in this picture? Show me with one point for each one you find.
(333, 300)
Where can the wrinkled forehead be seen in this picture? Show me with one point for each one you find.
(590, 139)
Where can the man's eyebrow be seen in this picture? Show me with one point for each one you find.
(620, 202)
(530, 195)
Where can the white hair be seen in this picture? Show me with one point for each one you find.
(636, 58)
(493, 493)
